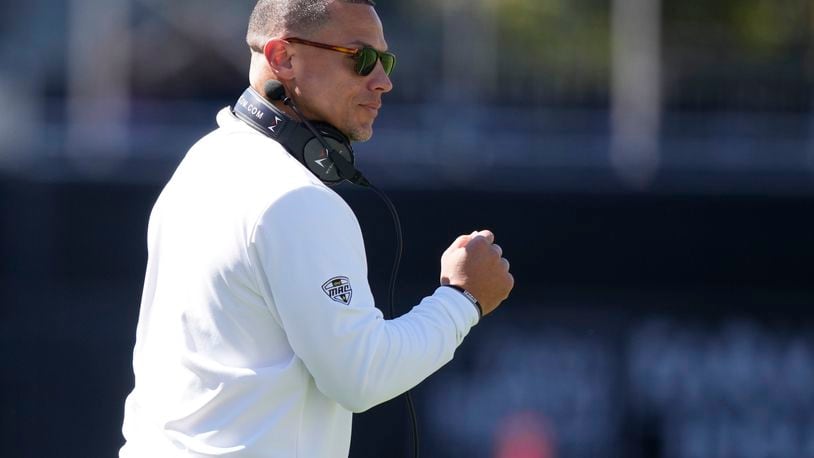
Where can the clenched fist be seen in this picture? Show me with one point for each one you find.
(475, 263)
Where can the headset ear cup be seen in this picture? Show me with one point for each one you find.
(317, 159)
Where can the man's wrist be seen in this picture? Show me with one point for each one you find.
(469, 296)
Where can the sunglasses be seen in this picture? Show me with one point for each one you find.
(365, 57)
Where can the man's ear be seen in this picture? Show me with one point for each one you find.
(278, 57)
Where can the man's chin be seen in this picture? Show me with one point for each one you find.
(360, 135)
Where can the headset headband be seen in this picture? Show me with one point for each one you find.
(295, 137)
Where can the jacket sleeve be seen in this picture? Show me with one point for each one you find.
(310, 256)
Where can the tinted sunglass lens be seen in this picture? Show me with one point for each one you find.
(366, 61)
(388, 62)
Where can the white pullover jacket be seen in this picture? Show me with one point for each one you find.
(258, 335)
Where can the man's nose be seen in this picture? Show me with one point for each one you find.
(380, 81)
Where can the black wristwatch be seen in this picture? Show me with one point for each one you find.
(469, 296)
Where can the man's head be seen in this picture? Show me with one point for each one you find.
(323, 83)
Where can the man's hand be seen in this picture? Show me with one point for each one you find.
(475, 263)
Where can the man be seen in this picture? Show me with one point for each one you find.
(258, 335)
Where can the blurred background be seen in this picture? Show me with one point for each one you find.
(647, 166)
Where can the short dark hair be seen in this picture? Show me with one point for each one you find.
(271, 17)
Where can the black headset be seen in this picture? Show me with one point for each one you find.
(320, 147)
